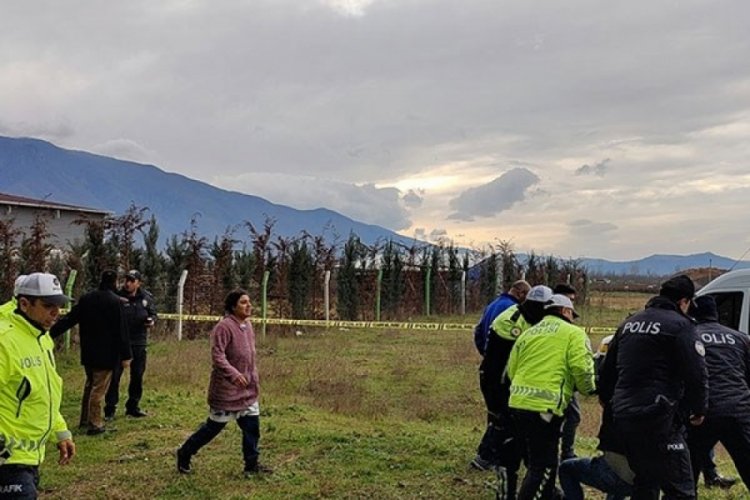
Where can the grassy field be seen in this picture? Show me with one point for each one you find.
(345, 414)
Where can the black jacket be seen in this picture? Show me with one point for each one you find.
(138, 309)
(655, 364)
(102, 329)
(728, 362)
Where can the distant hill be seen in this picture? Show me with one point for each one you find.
(662, 265)
(39, 169)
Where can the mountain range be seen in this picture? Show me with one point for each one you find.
(39, 169)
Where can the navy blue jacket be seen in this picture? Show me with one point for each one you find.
(492, 311)
(655, 365)
(728, 362)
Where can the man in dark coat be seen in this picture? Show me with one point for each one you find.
(655, 367)
(140, 314)
(104, 345)
(728, 418)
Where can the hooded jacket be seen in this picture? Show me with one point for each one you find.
(30, 391)
(655, 364)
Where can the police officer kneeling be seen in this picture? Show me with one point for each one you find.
(728, 418)
(547, 363)
(654, 368)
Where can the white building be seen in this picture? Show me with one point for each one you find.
(60, 217)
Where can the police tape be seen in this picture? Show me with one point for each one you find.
(392, 325)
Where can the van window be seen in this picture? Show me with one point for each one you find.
(730, 308)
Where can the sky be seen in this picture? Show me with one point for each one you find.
(577, 128)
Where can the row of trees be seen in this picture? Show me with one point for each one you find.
(297, 266)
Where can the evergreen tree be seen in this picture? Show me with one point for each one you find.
(347, 284)
(9, 255)
(301, 270)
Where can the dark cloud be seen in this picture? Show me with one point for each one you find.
(494, 197)
(412, 199)
(598, 169)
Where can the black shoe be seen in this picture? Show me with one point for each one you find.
(183, 461)
(137, 413)
(720, 481)
(257, 469)
(95, 431)
(108, 417)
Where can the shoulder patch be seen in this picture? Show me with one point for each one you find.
(700, 348)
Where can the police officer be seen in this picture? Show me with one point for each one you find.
(30, 387)
(10, 306)
(728, 417)
(655, 365)
(140, 313)
(547, 363)
(496, 447)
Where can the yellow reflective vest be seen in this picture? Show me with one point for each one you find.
(548, 362)
(7, 309)
(30, 391)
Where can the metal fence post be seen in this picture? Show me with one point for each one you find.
(69, 292)
(327, 296)
(180, 300)
(378, 288)
(463, 293)
(427, 291)
(264, 301)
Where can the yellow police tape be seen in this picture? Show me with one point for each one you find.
(393, 325)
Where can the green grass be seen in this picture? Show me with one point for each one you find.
(344, 414)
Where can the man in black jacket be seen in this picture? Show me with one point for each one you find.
(655, 366)
(140, 314)
(104, 345)
(728, 418)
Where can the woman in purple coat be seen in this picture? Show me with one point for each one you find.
(233, 390)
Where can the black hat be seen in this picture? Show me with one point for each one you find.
(133, 274)
(704, 309)
(679, 287)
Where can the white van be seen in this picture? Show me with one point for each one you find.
(732, 293)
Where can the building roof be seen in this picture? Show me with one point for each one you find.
(22, 201)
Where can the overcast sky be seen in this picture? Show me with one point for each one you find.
(579, 128)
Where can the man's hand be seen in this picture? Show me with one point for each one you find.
(696, 420)
(240, 381)
(67, 451)
(125, 363)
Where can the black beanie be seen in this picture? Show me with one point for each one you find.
(679, 287)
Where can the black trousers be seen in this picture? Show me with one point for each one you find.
(250, 426)
(569, 428)
(733, 432)
(540, 441)
(135, 387)
(658, 453)
(19, 482)
(499, 444)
